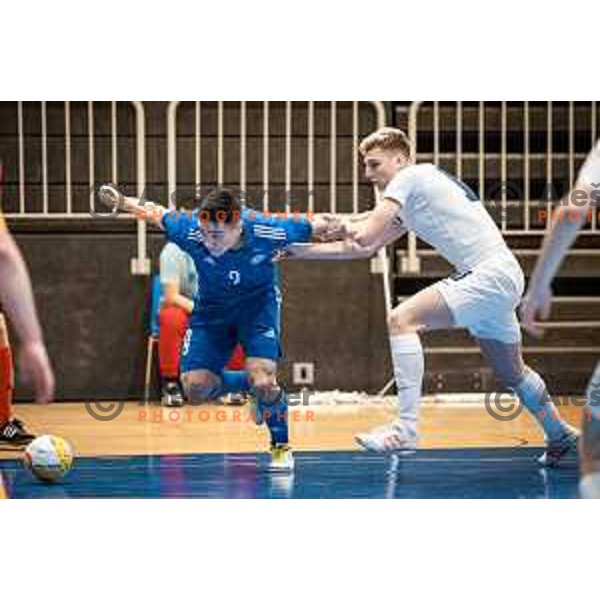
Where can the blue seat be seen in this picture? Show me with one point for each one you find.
(155, 300)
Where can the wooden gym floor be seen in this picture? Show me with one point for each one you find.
(216, 451)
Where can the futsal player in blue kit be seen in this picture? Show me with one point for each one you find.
(238, 298)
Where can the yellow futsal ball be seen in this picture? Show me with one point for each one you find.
(48, 457)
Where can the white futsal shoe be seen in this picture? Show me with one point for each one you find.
(393, 438)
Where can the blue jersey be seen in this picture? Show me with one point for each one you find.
(241, 273)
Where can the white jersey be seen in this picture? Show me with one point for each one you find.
(446, 214)
(590, 172)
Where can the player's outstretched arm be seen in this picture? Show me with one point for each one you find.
(16, 298)
(568, 220)
(376, 226)
(344, 250)
(347, 249)
(328, 227)
(337, 227)
(151, 212)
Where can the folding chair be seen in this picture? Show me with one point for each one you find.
(155, 297)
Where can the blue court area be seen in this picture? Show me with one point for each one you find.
(476, 473)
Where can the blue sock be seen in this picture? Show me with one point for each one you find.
(276, 416)
(234, 382)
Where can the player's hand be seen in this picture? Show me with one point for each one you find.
(281, 254)
(35, 370)
(331, 228)
(110, 196)
(536, 306)
(352, 246)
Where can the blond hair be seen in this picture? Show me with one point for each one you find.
(388, 138)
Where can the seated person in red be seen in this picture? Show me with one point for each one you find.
(179, 280)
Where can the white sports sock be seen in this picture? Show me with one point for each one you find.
(533, 393)
(409, 369)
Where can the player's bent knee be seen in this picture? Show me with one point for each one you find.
(201, 386)
(399, 323)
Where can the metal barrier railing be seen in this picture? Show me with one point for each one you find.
(59, 151)
(524, 149)
(306, 133)
(291, 141)
(531, 151)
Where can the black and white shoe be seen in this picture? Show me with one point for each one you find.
(234, 399)
(15, 434)
(556, 450)
(172, 395)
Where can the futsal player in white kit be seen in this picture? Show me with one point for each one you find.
(482, 297)
(569, 218)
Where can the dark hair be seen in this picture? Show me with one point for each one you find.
(221, 206)
(187, 203)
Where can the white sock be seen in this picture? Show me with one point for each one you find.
(533, 393)
(409, 369)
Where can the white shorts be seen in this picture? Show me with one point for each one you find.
(484, 300)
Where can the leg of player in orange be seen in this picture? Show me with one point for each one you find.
(173, 322)
(12, 431)
(6, 375)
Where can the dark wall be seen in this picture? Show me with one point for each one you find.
(95, 315)
(334, 316)
(157, 157)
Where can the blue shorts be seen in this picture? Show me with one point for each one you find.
(213, 333)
